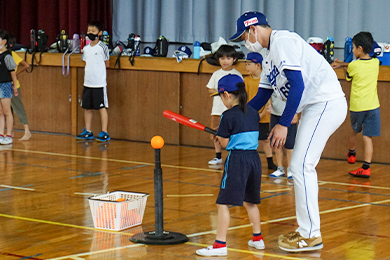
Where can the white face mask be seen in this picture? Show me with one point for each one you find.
(255, 47)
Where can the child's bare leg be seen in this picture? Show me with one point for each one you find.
(267, 148)
(279, 156)
(2, 120)
(88, 119)
(223, 222)
(254, 216)
(9, 119)
(288, 156)
(104, 119)
(27, 134)
(368, 148)
(352, 140)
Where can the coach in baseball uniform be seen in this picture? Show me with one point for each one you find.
(301, 77)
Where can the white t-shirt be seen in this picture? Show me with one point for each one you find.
(289, 51)
(218, 106)
(95, 75)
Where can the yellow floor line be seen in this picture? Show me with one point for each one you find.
(63, 224)
(16, 188)
(178, 167)
(355, 185)
(189, 195)
(289, 218)
(77, 256)
(276, 190)
(261, 253)
(112, 160)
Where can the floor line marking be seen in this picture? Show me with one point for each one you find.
(96, 252)
(266, 191)
(85, 193)
(289, 218)
(351, 184)
(63, 224)
(174, 166)
(16, 188)
(249, 252)
(189, 195)
(112, 160)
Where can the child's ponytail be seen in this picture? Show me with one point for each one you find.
(242, 96)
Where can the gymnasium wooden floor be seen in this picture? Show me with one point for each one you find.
(45, 214)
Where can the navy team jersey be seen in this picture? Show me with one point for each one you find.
(241, 128)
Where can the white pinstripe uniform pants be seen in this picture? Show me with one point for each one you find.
(318, 122)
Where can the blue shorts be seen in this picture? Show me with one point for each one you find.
(241, 178)
(369, 121)
(291, 132)
(6, 90)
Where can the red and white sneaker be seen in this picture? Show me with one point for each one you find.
(210, 251)
(351, 159)
(361, 173)
(256, 244)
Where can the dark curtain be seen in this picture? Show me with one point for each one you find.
(20, 16)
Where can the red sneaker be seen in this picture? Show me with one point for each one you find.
(351, 159)
(361, 173)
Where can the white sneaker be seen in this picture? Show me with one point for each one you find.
(6, 140)
(210, 251)
(278, 173)
(289, 174)
(1, 138)
(256, 244)
(215, 161)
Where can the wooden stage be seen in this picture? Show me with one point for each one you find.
(45, 214)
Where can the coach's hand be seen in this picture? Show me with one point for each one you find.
(278, 136)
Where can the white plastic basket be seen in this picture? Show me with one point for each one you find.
(108, 213)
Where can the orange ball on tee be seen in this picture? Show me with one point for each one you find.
(157, 142)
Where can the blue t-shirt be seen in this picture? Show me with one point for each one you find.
(241, 128)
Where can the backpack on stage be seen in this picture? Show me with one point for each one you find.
(161, 48)
(38, 41)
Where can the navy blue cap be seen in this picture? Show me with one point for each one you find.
(184, 50)
(254, 57)
(228, 83)
(245, 21)
(148, 51)
(376, 49)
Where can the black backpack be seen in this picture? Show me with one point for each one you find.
(38, 41)
(161, 48)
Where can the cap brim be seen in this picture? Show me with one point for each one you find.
(214, 94)
(236, 37)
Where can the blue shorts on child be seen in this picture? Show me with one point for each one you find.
(369, 121)
(6, 90)
(241, 178)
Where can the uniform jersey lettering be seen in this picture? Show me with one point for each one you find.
(273, 75)
(285, 89)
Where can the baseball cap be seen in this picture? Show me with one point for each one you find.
(245, 21)
(148, 52)
(254, 57)
(182, 53)
(228, 83)
(376, 49)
